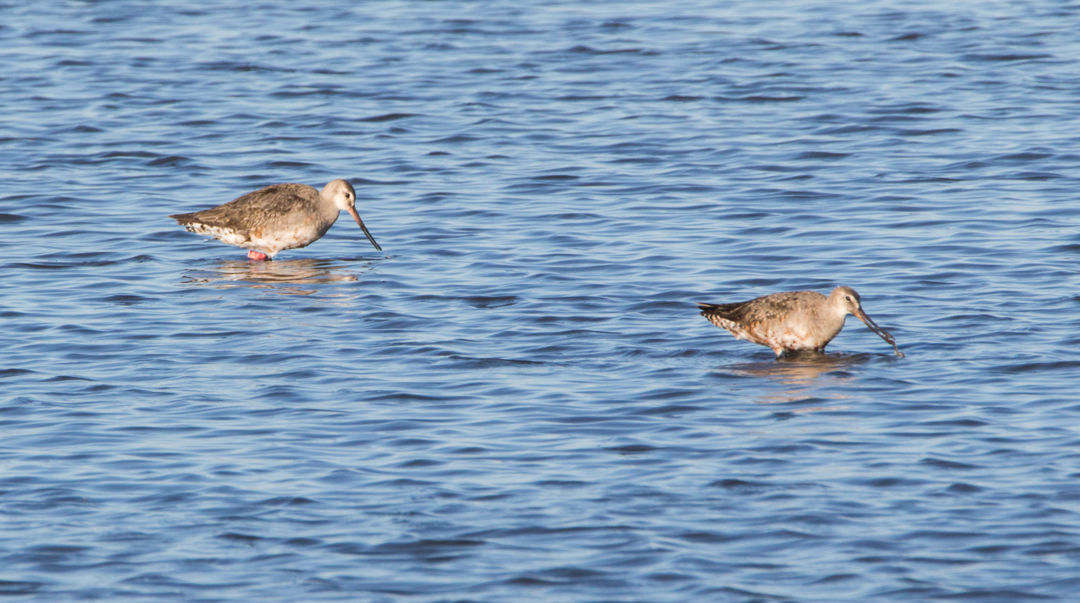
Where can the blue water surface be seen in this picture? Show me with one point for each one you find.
(517, 399)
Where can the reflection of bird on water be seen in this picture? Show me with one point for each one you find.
(804, 375)
(799, 369)
(282, 275)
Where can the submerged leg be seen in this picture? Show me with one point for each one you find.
(257, 256)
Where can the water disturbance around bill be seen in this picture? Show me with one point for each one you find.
(517, 398)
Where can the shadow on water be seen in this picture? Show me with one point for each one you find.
(282, 276)
(801, 376)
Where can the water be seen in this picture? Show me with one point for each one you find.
(517, 399)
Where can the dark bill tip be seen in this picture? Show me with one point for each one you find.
(367, 232)
(882, 333)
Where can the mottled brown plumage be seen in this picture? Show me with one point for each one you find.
(280, 216)
(792, 321)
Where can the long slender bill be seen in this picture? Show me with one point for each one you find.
(881, 332)
(356, 216)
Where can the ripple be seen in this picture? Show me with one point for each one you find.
(520, 401)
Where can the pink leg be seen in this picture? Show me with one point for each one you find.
(257, 256)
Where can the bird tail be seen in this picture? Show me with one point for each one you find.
(720, 310)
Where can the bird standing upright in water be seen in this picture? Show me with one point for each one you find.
(280, 216)
(792, 321)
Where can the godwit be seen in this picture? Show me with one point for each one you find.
(280, 216)
(792, 321)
